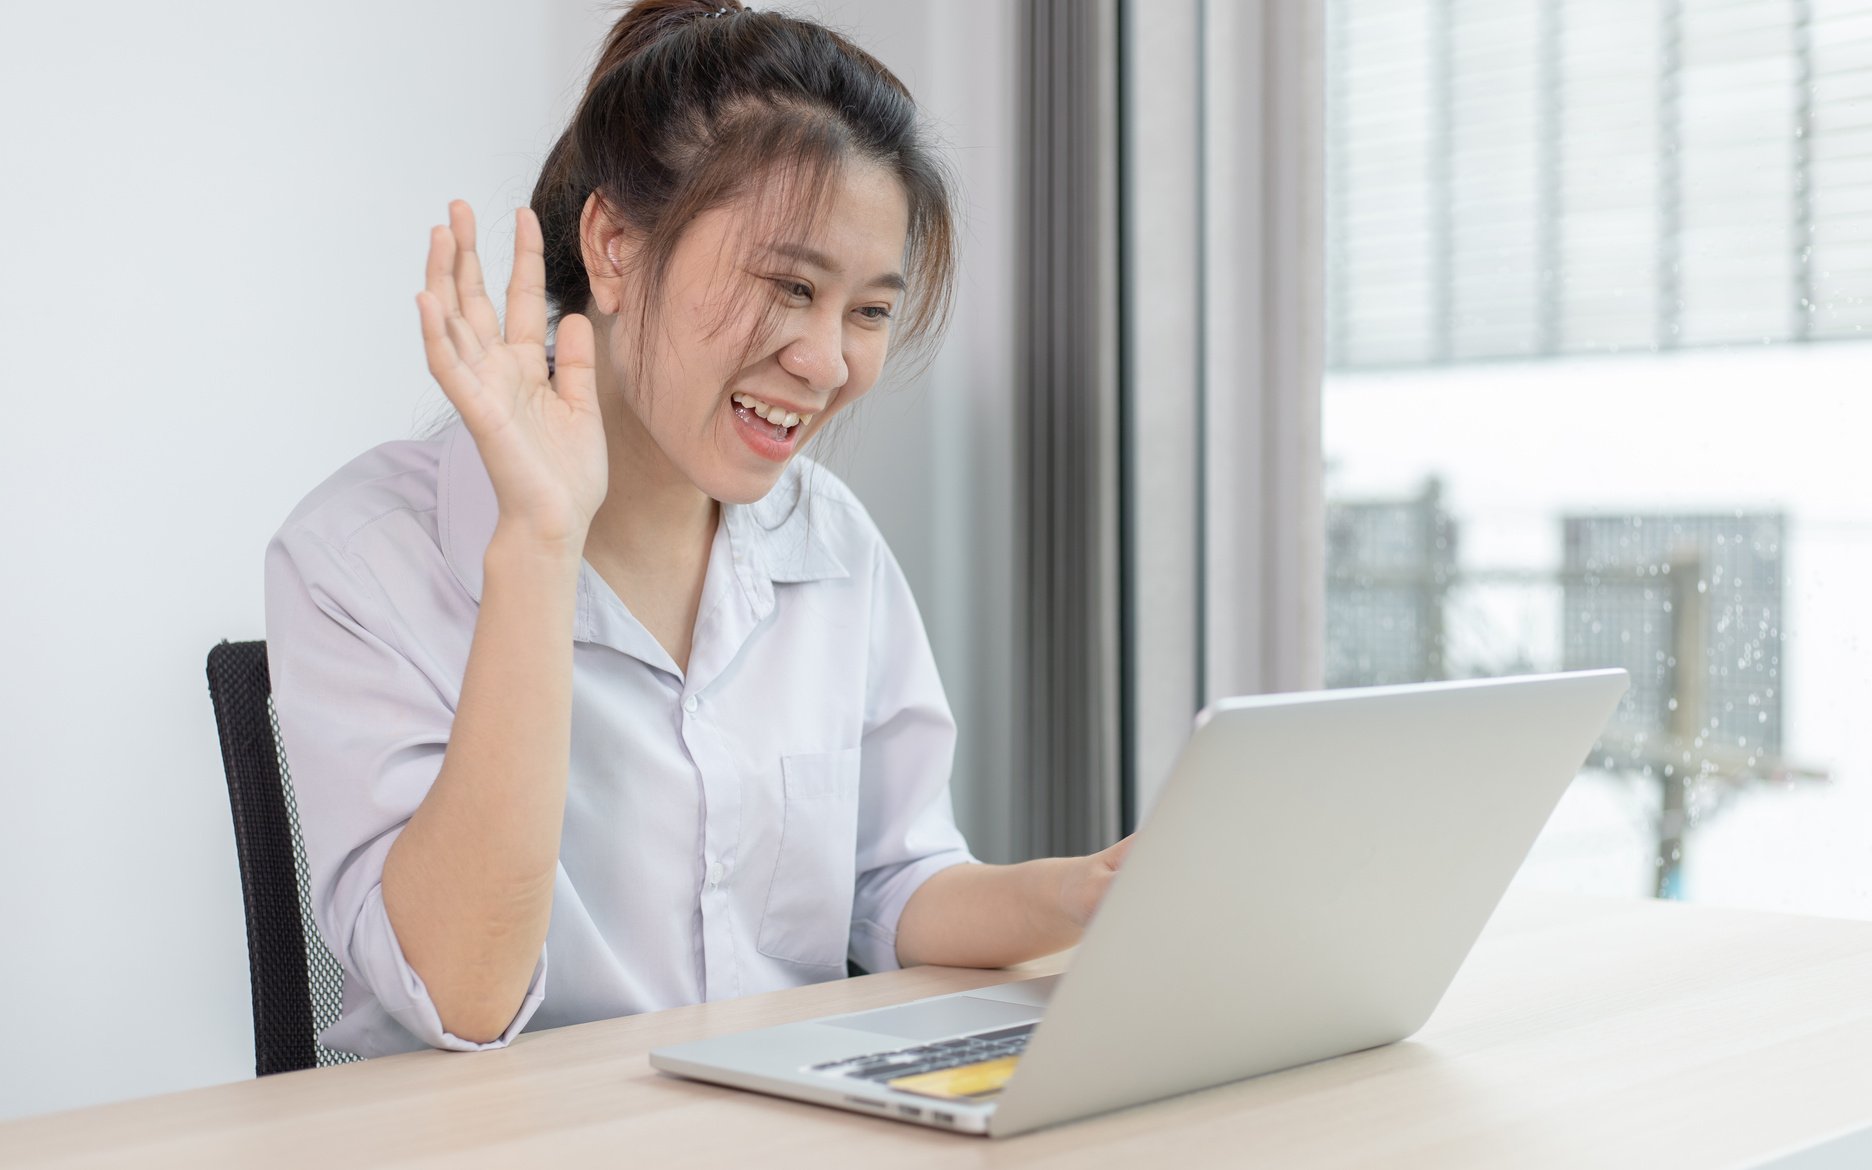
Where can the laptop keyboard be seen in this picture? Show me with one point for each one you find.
(904, 1062)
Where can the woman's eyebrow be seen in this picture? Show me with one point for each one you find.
(818, 259)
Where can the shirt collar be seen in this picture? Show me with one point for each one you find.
(780, 538)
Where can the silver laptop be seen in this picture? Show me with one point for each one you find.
(1314, 872)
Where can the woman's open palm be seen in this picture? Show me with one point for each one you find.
(540, 435)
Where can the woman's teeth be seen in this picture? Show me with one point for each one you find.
(772, 414)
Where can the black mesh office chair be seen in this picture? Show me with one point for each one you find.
(298, 988)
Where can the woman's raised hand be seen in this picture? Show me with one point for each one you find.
(540, 436)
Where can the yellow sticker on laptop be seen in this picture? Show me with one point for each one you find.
(972, 1082)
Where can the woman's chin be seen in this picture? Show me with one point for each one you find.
(740, 486)
(741, 475)
(741, 498)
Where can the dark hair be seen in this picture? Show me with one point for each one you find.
(692, 103)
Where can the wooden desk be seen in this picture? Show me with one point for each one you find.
(1581, 1033)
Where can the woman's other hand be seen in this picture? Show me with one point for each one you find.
(540, 435)
(1087, 879)
(996, 915)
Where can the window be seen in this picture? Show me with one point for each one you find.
(1599, 280)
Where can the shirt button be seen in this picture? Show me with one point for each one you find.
(715, 872)
(690, 704)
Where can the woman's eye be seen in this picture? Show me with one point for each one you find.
(795, 288)
(875, 313)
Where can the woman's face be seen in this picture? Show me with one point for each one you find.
(729, 418)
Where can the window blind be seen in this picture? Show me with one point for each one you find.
(1519, 178)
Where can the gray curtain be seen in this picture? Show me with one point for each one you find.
(1069, 721)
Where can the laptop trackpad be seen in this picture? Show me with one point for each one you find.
(937, 1018)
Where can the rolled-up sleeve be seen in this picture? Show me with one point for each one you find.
(364, 720)
(907, 830)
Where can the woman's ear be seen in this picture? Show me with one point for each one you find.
(602, 245)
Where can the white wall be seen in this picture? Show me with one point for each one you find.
(215, 217)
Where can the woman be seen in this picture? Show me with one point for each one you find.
(604, 679)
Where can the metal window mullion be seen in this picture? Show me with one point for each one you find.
(1265, 567)
(1670, 176)
(1200, 281)
(1163, 324)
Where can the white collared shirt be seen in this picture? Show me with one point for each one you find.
(740, 827)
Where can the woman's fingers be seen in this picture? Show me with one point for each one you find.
(1115, 854)
(445, 363)
(471, 292)
(461, 332)
(526, 290)
(439, 276)
(462, 336)
(439, 272)
(573, 377)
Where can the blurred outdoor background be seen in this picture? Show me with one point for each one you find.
(1599, 292)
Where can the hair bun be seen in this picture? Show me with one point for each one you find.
(649, 21)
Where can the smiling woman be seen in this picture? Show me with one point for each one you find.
(578, 682)
(800, 330)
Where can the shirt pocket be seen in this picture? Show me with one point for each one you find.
(809, 900)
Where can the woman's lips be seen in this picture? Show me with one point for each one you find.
(765, 439)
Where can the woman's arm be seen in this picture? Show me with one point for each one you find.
(998, 915)
(468, 884)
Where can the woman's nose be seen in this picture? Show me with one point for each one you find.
(817, 354)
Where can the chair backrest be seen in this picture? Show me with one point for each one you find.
(298, 987)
